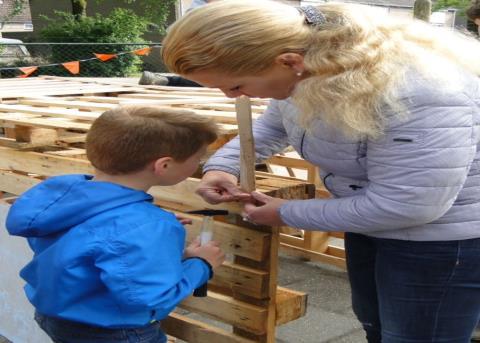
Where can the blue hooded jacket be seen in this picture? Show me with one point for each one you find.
(104, 254)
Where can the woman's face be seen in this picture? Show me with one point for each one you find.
(278, 82)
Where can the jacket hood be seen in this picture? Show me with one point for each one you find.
(62, 202)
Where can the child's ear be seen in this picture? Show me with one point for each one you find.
(162, 165)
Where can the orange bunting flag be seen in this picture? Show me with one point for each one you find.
(73, 67)
(27, 71)
(142, 52)
(105, 57)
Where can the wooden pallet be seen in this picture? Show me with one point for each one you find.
(36, 121)
(44, 136)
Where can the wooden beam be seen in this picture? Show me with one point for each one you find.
(234, 239)
(313, 255)
(241, 279)
(229, 310)
(191, 330)
(247, 156)
(291, 305)
(38, 163)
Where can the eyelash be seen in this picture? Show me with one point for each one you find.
(235, 88)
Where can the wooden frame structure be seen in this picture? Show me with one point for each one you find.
(57, 111)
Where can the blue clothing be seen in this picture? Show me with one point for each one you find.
(407, 291)
(62, 331)
(104, 254)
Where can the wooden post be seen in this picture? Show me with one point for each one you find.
(247, 156)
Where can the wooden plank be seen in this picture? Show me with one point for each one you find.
(290, 305)
(247, 156)
(48, 112)
(16, 183)
(234, 239)
(223, 107)
(42, 164)
(49, 123)
(289, 162)
(12, 143)
(191, 330)
(336, 251)
(229, 310)
(35, 135)
(241, 279)
(313, 255)
(59, 102)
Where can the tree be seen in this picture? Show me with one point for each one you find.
(156, 11)
(422, 9)
(79, 8)
(460, 5)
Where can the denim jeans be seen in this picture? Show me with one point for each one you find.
(64, 331)
(409, 291)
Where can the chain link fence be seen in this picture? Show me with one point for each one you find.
(50, 57)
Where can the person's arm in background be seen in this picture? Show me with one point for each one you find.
(222, 170)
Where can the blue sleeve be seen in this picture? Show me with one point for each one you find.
(143, 267)
(269, 136)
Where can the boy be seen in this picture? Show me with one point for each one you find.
(107, 262)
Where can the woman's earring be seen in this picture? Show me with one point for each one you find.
(299, 73)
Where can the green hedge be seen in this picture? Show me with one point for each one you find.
(120, 26)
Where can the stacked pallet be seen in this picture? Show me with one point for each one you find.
(45, 121)
(53, 114)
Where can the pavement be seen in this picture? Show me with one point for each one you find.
(329, 317)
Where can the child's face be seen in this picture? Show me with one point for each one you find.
(179, 171)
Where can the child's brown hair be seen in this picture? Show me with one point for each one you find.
(127, 138)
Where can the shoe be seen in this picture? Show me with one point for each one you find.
(476, 334)
(149, 78)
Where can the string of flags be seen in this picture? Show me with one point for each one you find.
(74, 66)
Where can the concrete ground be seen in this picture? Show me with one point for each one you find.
(329, 317)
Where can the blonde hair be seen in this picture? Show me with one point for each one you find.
(357, 59)
(127, 138)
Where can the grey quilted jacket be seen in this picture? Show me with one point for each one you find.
(419, 181)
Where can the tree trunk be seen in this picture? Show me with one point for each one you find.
(79, 8)
(422, 9)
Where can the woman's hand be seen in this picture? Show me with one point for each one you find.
(218, 186)
(267, 213)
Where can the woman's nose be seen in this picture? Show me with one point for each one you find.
(231, 94)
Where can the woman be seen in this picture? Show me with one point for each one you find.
(390, 112)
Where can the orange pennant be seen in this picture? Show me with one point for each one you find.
(27, 71)
(105, 57)
(142, 52)
(73, 67)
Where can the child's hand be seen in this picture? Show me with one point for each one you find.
(210, 252)
(190, 250)
(182, 220)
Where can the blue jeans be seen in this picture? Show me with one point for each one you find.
(408, 291)
(64, 331)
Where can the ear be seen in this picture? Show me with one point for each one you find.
(291, 60)
(162, 165)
